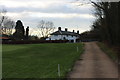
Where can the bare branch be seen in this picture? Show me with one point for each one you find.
(45, 28)
(6, 24)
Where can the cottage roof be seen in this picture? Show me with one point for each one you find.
(60, 32)
(3, 36)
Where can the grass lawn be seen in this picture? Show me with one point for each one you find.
(109, 51)
(39, 60)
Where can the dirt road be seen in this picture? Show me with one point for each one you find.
(95, 64)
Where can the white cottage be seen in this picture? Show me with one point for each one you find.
(64, 35)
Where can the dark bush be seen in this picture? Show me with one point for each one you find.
(34, 41)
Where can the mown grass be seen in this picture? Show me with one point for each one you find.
(109, 51)
(39, 60)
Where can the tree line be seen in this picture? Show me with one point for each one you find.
(107, 25)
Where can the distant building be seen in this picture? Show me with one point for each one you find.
(64, 35)
(4, 37)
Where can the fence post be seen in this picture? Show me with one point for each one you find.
(59, 70)
(77, 48)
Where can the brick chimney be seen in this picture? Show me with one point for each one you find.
(66, 29)
(73, 31)
(59, 28)
(78, 32)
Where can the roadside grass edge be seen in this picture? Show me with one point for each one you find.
(109, 51)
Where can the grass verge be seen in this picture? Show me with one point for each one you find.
(109, 51)
(39, 60)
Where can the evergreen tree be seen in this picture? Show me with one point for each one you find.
(19, 31)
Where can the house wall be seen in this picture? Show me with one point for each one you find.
(62, 37)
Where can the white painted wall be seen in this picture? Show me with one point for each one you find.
(61, 37)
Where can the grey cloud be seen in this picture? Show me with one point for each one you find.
(81, 23)
(66, 22)
(52, 9)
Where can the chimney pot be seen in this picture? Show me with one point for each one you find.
(65, 29)
(78, 32)
(59, 28)
(73, 31)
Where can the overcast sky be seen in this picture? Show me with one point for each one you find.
(63, 13)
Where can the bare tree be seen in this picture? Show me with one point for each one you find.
(45, 28)
(2, 15)
(2, 18)
(6, 24)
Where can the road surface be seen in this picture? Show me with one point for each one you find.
(94, 64)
